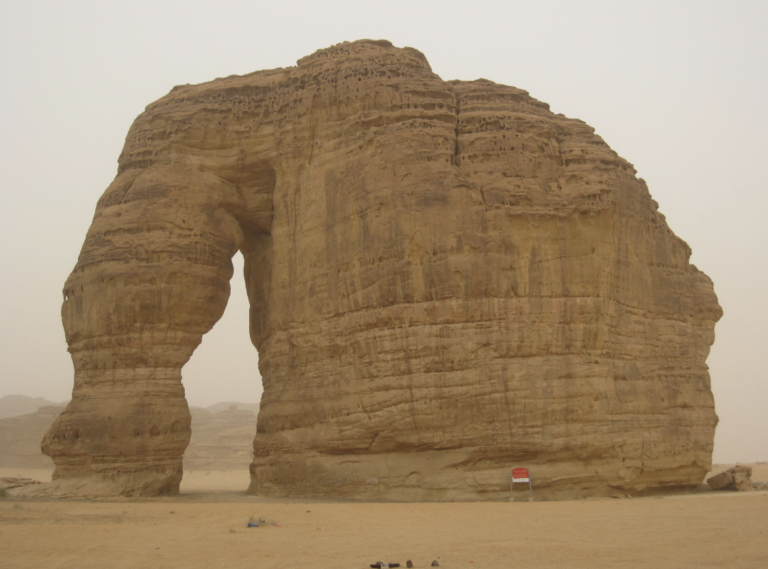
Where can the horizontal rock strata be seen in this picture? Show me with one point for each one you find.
(446, 280)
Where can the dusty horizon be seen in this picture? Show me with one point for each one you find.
(207, 525)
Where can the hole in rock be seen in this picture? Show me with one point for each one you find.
(223, 389)
(221, 380)
(224, 367)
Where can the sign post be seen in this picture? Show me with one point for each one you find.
(520, 475)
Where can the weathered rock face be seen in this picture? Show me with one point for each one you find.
(737, 478)
(446, 279)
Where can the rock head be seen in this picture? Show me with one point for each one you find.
(446, 279)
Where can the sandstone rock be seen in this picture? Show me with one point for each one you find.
(737, 478)
(720, 481)
(445, 278)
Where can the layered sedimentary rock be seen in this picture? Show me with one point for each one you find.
(446, 280)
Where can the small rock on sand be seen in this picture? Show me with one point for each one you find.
(737, 478)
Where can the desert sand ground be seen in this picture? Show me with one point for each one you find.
(205, 527)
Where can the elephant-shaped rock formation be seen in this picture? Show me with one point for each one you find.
(445, 280)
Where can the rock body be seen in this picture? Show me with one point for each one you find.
(446, 279)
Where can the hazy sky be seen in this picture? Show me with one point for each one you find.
(678, 88)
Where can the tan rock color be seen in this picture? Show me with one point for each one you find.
(446, 280)
(737, 478)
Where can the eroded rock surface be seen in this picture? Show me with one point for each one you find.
(446, 280)
(737, 478)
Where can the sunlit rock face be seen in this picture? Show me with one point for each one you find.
(446, 280)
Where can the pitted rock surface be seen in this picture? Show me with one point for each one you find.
(446, 280)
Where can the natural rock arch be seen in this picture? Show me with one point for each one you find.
(445, 279)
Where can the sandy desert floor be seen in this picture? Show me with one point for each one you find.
(205, 527)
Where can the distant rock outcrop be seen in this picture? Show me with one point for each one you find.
(221, 440)
(221, 437)
(228, 406)
(20, 438)
(15, 405)
(446, 279)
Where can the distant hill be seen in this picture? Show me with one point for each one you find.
(20, 438)
(222, 435)
(221, 440)
(219, 407)
(15, 405)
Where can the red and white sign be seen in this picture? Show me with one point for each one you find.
(520, 475)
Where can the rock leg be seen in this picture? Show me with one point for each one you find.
(152, 278)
